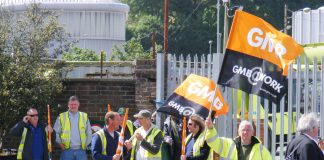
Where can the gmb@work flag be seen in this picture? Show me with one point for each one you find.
(257, 57)
(195, 96)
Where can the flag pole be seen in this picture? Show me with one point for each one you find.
(108, 108)
(119, 149)
(183, 147)
(49, 145)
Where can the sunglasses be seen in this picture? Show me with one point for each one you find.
(34, 115)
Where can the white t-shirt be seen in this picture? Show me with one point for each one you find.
(140, 150)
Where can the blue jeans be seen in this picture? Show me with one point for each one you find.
(73, 154)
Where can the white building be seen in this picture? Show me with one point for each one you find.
(308, 27)
(96, 24)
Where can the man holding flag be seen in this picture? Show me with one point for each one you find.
(244, 147)
(128, 132)
(146, 145)
(105, 142)
(33, 144)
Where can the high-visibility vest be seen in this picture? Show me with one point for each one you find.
(150, 139)
(198, 144)
(129, 125)
(22, 143)
(227, 150)
(66, 129)
(103, 139)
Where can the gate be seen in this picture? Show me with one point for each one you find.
(275, 124)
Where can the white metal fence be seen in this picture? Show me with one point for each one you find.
(305, 94)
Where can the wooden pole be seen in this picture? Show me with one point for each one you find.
(153, 45)
(166, 20)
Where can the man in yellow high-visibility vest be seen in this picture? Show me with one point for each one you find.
(129, 131)
(105, 142)
(33, 144)
(73, 132)
(244, 147)
(148, 139)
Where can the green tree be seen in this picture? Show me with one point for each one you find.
(130, 51)
(192, 23)
(27, 77)
(79, 54)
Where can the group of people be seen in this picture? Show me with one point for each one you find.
(72, 132)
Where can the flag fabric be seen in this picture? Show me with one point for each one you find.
(257, 57)
(195, 96)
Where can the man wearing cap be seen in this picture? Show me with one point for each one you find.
(129, 124)
(129, 131)
(148, 139)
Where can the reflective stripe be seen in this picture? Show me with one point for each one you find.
(221, 146)
(230, 151)
(22, 143)
(82, 128)
(129, 125)
(211, 139)
(187, 138)
(103, 139)
(65, 127)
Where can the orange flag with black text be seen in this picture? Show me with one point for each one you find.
(195, 95)
(257, 57)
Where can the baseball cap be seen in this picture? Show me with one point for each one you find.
(143, 114)
(121, 111)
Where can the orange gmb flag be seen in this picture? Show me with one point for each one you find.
(253, 36)
(196, 95)
(257, 57)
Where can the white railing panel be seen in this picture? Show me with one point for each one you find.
(305, 94)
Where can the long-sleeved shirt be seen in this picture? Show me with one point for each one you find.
(75, 135)
(96, 146)
(37, 146)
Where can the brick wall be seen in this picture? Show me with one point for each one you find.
(96, 94)
(145, 90)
